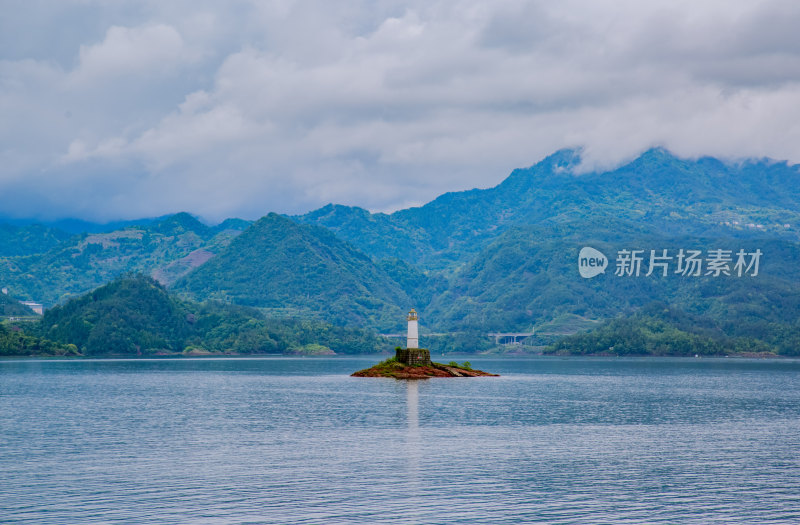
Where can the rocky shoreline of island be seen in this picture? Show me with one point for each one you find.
(398, 370)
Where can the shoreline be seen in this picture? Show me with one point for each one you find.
(504, 357)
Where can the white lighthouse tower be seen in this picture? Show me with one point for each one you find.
(413, 330)
(412, 354)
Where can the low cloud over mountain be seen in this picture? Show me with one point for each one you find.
(134, 109)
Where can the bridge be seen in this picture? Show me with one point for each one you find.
(403, 335)
(509, 338)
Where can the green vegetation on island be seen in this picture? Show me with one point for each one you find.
(395, 369)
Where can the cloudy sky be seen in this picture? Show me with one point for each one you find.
(114, 109)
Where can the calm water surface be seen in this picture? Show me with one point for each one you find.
(297, 441)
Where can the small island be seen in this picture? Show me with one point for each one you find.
(415, 363)
(399, 370)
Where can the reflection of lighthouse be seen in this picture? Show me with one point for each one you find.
(413, 330)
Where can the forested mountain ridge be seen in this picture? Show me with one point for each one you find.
(10, 307)
(83, 262)
(659, 190)
(134, 315)
(529, 275)
(29, 239)
(292, 268)
(657, 329)
(499, 259)
(510, 252)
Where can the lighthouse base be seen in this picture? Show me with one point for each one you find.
(413, 356)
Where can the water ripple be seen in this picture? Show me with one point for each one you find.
(297, 441)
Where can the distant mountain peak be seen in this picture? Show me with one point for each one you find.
(287, 266)
(563, 160)
(659, 155)
(179, 223)
(337, 210)
(232, 223)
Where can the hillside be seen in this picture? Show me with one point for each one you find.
(529, 276)
(290, 268)
(14, 342)
(167, 249)
(498, 259)
(136, 316)
(10, 307)
(130, 316)
(29, 239)
(660, 330)
(667, 194)
(509, 253)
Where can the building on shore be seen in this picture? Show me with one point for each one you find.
(36, 307)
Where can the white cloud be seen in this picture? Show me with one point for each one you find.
(284, 106)
(130, 53)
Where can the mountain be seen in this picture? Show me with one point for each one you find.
(10, 307)
(529, 276)
(658, 329)
(134, 315)
(29, 239)
(78, 226)
(420, 286)
(129, 316)
(232, 225)
(179, 224)
(498, 259)
(667, 194)
(377, 234)
(509, 253)
(297, 269)
(168, 249)
(14, 342)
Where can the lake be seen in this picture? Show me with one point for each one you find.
(298, 441)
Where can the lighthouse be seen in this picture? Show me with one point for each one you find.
(412, 340)
(412, 354)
